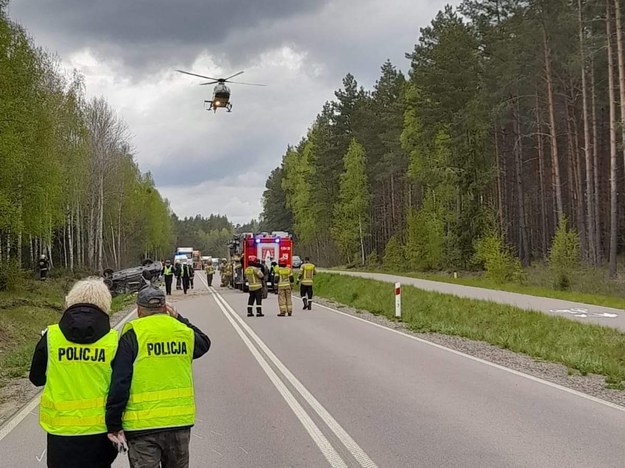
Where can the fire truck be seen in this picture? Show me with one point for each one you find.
(266, 247)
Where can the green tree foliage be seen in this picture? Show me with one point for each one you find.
(393, 257)
(276, 216)
(564, 256)
(500, 265)
(69, 185)
(210, 235)
(489, 120)
(425, 238)
(299, 173)
(351, 220)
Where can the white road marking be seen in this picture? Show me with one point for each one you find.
(315, 433)
(482, 361)
(32, 404)
(582, 313)
(39, 458)
(351, 445)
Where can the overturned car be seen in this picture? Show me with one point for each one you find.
(132, 279)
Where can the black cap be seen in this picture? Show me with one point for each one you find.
(151, 298)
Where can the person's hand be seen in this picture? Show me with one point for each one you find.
(171, 311)
(119, 441)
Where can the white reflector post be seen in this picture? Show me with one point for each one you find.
(398, 300)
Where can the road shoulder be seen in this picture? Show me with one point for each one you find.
(591, 384)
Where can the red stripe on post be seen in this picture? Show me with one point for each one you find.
(397, 291)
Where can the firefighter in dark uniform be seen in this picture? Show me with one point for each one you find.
(168, 274)
(191, 273)
(254, 277)
(44, 264)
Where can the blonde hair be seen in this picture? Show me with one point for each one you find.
(90, 291)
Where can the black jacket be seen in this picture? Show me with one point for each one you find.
(84, 324)
(123, 366)
(80, 323)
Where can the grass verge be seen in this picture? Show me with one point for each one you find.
(583, 347)
(589, 285)
(27, 311)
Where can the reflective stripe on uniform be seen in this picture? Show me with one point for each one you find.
(308, 271)
(78, 377)
(165, 348)
(253, 279)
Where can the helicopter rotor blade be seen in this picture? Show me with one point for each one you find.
(209, 83)
(232, 76)
(195, 74)
(248, 84)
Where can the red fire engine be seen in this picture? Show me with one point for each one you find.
(266, 247)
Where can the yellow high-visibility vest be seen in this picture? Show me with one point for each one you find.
(285, 278)
(78, 377)
(308, 271)
(168, 271)
(161, 393)
(253, 280)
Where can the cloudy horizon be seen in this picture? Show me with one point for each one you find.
(206, 163)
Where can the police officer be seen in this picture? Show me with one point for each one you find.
(307, 272)
(185, 274)
(191, 273)
(178, 273)
(254, 277)
(284, 279)
(168, 274)
(210, 272)
(73, 360)
(155, 358)
(44, 264)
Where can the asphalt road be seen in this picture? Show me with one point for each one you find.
(573, 310)
(325, 389)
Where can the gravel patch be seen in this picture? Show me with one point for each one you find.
(590, 384)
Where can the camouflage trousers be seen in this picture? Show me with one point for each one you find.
(166, 449)
(285, 301)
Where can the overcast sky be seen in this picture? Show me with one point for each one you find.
(128, 51)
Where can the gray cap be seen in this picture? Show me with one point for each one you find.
(151, 298)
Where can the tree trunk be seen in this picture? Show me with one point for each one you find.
(499, 175)
(613, 190)
(362, 240)
(555, 164)
(595, 163)
(590, 208)
(541, 181)
(577, 186)
(518, 166)
(621, 69)
(70, 235)
(100, 225)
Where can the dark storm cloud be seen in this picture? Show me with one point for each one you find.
(144, 32)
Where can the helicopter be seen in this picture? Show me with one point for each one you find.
(221, 92)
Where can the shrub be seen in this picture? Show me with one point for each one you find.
(393, 258)
(373, 260)
(500, 265)
(564, 256)
(10, 275)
